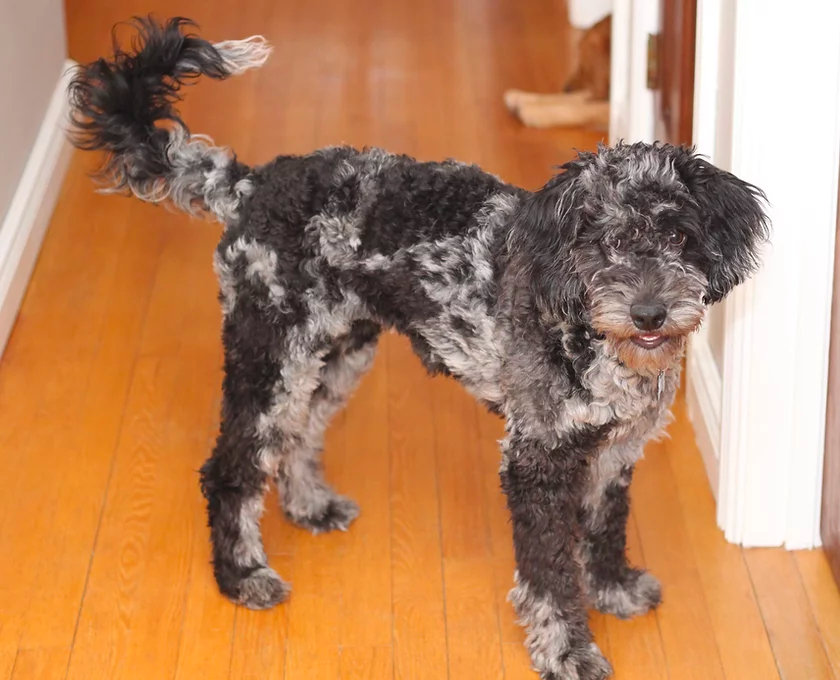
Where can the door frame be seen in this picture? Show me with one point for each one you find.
(756, 100)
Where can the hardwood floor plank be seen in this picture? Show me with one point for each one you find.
(259, 640)
(312, 661)
(58, 497)
(635, 647)
(787, 615)
(733, 610)
(472, 620)
(463, 509)
(416, 560)
(517, 663)
(491, 431)
(315, 609)
(366, 663)
(206, 641)
(160, 598)
(142, 559)
(8, 655)
(824, 600)
(684, 623)
(123, 547)
(41, 663)
(363, 472)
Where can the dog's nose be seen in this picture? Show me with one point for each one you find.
(648, 316)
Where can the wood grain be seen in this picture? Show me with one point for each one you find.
(258, 649)
(419, 623)
(793, 634)
(366, 663)
(824, 600)
(739, 629)
(472, 620)
(684, 622)
(364, 472)
(636, 647)
(41, 663)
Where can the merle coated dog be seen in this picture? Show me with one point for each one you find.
(565, 310)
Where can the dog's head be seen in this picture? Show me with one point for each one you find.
(635, 241)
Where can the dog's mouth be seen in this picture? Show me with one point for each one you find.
(649, 340)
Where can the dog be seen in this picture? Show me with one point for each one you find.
(565, 310)
(585, 100)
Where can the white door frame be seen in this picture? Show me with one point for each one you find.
(767, 108)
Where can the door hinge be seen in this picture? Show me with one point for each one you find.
(653, 61)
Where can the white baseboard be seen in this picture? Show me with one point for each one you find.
(703, 395)
(25, 224)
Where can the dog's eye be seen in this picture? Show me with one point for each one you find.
(676, 238)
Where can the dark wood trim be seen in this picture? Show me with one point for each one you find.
(830, 524)
(677, 40)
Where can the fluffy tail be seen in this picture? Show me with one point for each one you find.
(125, 106)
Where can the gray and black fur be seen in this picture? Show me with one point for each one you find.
(565, 310)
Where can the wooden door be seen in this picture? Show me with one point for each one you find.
(830, 525)
(675, 70)
(673, 76)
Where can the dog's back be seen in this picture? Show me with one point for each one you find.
(406, 244)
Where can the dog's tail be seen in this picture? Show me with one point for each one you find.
(125, 106)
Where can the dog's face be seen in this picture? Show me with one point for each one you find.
(636, 241)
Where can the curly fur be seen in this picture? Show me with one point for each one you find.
(531, 300)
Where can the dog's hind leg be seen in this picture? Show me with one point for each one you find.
(613, 586)
(237, 474)
(306, 498)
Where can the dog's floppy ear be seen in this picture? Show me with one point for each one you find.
(545, 228)
(735, 223)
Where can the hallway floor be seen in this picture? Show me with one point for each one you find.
(109, 394)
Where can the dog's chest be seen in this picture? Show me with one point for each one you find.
(636, 405)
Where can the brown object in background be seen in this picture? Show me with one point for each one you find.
(675, 70)
(830, 523)
(593, 69)
(586, 94)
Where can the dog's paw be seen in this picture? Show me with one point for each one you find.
(637, 593)
(337, 513)
(262, 589)
(584, 663)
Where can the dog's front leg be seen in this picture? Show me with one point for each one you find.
(614, 587)
(544, 486)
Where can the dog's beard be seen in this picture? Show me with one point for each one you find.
(611, 318)
(647, 361)
(611, 294)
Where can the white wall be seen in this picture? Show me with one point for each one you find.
(32, 52)
(632, 116)
(756, 97)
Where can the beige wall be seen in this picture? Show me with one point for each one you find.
(32, 52)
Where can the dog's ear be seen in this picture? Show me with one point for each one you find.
(545, 228)
(735, 224)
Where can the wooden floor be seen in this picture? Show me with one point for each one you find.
(109, 393)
